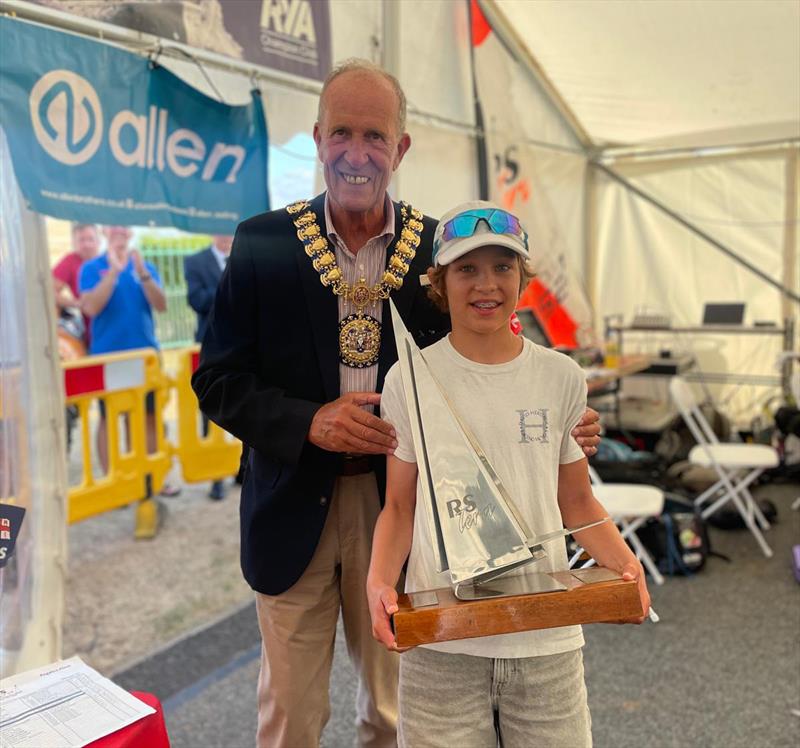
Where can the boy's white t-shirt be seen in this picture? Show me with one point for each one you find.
(521, 413)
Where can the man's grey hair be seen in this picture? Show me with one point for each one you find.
(359, 65)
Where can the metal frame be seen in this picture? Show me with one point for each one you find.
(733, 484)
(628, 530)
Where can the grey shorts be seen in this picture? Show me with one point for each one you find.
(448, 700)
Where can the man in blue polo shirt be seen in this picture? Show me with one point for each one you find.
(119, 291)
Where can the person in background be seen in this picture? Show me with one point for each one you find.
(85, 246)
(118, 292)
(202, 271)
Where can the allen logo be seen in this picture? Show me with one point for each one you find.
(68, 123)
(291, 18)
(67, 117)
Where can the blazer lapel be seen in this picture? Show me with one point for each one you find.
(323, 310)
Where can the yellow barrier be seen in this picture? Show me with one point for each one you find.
(122, 381)
(211, 457)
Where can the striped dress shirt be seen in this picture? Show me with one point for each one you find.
(367, 262)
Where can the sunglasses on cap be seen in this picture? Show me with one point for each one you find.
(466, 224)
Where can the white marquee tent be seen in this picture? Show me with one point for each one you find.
(652, 148)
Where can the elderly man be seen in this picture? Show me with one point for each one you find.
(296, 351)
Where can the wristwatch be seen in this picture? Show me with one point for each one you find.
(145, 277)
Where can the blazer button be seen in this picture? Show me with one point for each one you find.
(323, 500)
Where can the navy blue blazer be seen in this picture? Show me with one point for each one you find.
(269, 361)
(202, 273)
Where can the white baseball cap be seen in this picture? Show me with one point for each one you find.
(479, 223)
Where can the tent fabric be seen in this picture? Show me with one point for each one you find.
(662, 72)
(648, 262)
(434, 65)
(32, 437)
(659, 75)
(542, 183)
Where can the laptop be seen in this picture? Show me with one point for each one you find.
(731, 313)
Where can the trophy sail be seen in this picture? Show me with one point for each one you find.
(478, 534)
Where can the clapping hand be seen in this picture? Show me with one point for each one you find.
(138, 262)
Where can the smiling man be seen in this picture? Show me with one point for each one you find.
(297, 348)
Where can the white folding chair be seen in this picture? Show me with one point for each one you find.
(737, 465)
(630, 505)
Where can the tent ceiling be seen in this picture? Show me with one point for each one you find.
(669, 72)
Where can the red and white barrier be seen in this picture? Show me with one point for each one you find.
(109, 377)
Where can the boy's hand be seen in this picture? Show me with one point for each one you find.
(587, 432)
(382, 600)
(633, 571)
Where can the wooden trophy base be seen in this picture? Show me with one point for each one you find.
(593, 595)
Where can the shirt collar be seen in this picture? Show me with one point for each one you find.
(388, 228)
(222, 258)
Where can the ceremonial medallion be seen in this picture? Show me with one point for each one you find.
(359, 340)
(359, 333)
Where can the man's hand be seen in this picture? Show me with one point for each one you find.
(138, 262)
(587, 432)
(343, 426)
(115, 264)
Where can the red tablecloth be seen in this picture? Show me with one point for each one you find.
(149, 732)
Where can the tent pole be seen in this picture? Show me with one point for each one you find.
(590, 235)
(390, 54)
(787, 292)
(640, 153)
(481, 154)
(790, 267)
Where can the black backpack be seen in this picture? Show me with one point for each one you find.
(677, 539)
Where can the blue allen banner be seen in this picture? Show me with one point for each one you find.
(96, 135)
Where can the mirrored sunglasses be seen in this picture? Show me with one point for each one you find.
(465, 224)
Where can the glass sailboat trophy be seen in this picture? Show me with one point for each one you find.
(478, 533)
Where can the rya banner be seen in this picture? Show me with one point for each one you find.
(98, 134)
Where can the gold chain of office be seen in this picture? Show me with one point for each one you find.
(359, 333)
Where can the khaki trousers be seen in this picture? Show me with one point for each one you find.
(298, 629)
